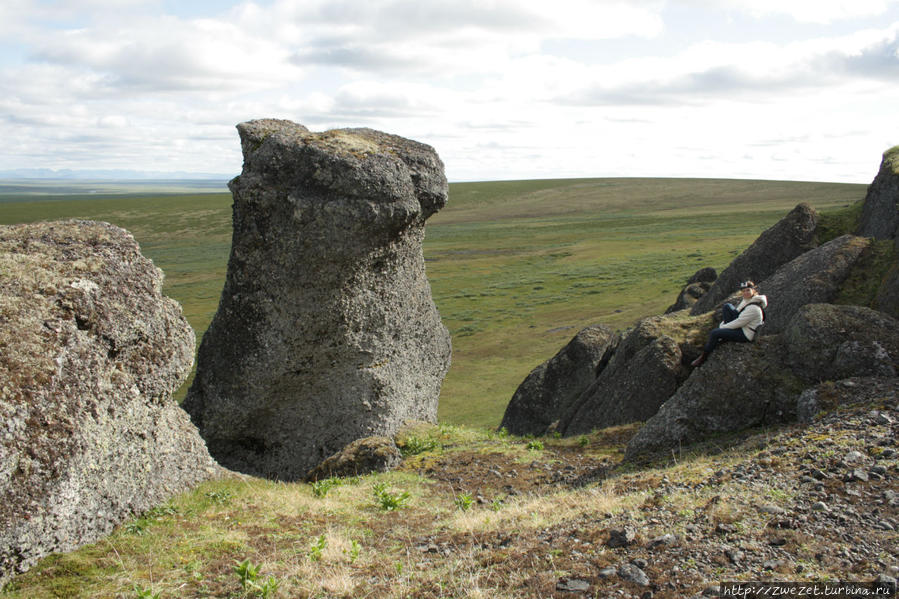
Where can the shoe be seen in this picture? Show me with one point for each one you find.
(699, 361)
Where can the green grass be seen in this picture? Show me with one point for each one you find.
(516, 267)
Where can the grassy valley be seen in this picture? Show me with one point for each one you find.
(516, 267)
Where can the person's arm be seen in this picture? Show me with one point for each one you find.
(748, 315)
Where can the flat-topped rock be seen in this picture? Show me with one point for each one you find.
(326, 331)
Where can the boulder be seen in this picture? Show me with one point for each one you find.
(697, 286)
(90, 354)
(828, 342)
(814, 277)
(362, 456)
(792, 236)
(326, 331)
(741, 385)
(641, 375)
(880, 211)
(548, 391)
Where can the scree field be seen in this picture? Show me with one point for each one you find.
(516, 267)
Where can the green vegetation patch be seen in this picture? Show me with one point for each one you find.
(834, 223)
(875, 264)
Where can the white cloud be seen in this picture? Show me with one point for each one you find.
(813, 11)
(709, 71)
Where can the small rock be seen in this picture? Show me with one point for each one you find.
(773, 510)
(880, 470)
(666, 540)
(734, 555)
(819, 506)
(882, 418)
(724, 528)
(856, 475)
(640, 563)
(887, 453)
(854, 457)
(633, 574)
(772, 564)
(572, 585)
(777, 542)
(621, 537)
(607, 571)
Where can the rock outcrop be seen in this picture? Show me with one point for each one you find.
(828, 342)
(740, 386)
(326, 331)
(645, 369)
(792, 236)
(880, 212)
(810, 336)
(549, 390)
(814, 277)
(697, 286)
(745, 385)
(90, 354)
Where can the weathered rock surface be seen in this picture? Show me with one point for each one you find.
(740, 386)
(326, 331)
(549, 390)
(814, 277)
(697, 286)
(362, 456)
(90, 354)
(644, 371)
(880, 212)
(792, 236)
(828, 342)
(745, 385)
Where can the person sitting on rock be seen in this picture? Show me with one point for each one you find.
(740, 323)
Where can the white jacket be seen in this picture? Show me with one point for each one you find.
(749, 319)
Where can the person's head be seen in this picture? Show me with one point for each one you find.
(747, 289)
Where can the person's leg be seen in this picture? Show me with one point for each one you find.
(718, 335)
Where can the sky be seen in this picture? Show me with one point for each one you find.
(503, 89)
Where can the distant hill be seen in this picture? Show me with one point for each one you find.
(109, 174)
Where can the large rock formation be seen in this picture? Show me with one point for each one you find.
(326, 331)
(644, 371)
(814, 277)
(90, 354)
(745, 385)
(880, 212)
(740, 386)
(828, 342)
(792, 236)
(549, 390)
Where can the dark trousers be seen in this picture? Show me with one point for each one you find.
(728, 313)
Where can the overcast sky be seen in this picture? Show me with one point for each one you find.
(503, 89)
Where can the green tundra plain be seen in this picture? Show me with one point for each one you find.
(516, 267)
